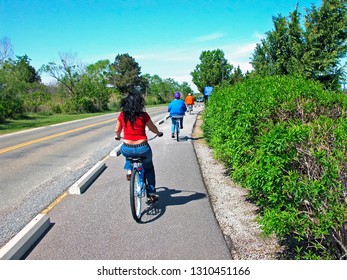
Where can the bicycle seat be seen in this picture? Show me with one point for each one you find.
(135, 159)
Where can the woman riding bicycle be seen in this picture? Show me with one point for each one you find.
(189, 102)
(133, 121)
(177, 109)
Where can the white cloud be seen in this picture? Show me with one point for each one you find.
(209, 37)
(239, 54)
(243, 50)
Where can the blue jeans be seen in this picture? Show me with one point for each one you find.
(173, 123)
(147, 163)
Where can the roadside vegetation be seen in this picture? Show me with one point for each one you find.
(76, 88)
(281, 132)
(285, 139)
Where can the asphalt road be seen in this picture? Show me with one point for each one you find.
(37, 166)
(97, 224)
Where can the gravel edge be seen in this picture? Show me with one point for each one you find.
(236, 216)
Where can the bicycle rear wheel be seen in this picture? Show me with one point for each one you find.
(137, 197)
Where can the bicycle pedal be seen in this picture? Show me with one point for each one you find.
(150, 202)
(152, 199)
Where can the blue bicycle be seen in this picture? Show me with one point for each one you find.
(176, 122)
(138, 186)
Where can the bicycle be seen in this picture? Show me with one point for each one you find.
(138, 186)
(190, 109)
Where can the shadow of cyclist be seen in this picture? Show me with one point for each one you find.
(167, 198)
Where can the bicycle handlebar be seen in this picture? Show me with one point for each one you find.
(159, 135)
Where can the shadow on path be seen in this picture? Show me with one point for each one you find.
(167, 197)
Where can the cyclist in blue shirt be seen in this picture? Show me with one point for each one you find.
(177, 108)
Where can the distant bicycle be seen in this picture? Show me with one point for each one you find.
(190, 109)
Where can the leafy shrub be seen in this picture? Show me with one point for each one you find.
(285, 139)
(35, 101)
(152, 100)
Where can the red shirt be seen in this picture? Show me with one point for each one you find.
(137, 131)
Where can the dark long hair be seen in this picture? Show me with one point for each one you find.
(133, 106)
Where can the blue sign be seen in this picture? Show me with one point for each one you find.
(208, 90)
(344, 85)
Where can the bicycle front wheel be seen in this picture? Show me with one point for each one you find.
(136, 195)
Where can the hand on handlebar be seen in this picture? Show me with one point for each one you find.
(117, 138)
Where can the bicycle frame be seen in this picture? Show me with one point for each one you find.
(137, 167)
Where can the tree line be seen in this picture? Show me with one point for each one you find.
(78, 88)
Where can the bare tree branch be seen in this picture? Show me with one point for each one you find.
(6, 50)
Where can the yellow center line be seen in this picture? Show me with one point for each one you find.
(54, 203)
(5, 150)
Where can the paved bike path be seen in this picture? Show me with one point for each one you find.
(97, 225)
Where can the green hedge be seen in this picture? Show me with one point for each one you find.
(285, 139)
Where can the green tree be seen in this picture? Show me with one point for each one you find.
(296, 44)
(262, 60)
(314, 52)
(272, 55)
(18, 81)
(92, 88)
(125, 75)
(185, 88)
(67, 73)
(212, 70)
(326, 37)
(163, 89)
(26, 72)
(236, 76)
(11, 89)
(154, 84)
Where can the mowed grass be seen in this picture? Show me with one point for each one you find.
(38, 120)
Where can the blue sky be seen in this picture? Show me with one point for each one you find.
(164, 37)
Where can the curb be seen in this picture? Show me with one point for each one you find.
(21, 243)
(85, 181)
(162, 120)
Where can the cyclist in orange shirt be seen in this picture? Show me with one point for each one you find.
(189, 102)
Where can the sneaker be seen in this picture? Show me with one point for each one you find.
(181, 126)
(128, 175)
(173, 135)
